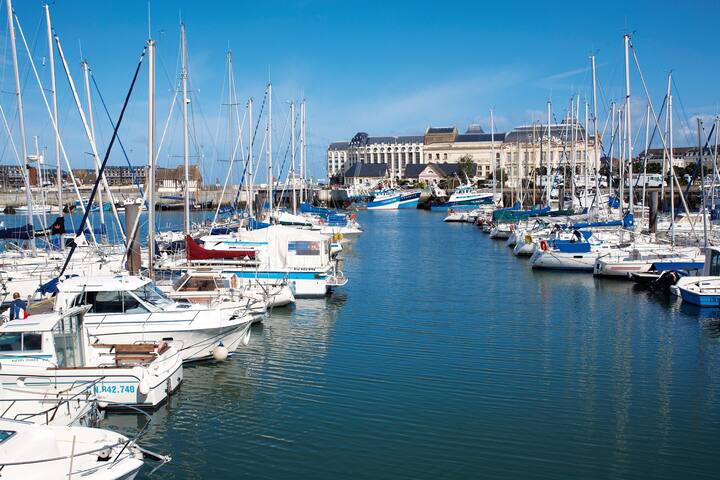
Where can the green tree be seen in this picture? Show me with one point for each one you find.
(500, 177)
(466, 168)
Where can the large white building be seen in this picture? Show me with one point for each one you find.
(521, 153)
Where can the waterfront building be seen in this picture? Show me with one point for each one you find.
(445, 144)
(434, 173)
(366, 174)
(682, 156)
(525, 149)
(521, 152)
(395, 152)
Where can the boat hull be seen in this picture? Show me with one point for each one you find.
(581, 262)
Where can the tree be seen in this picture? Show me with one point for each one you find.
(466, 167)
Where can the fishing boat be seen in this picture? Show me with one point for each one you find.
(128, 308)
(37, 452)
(392, 199)
(467, 196)
(54, 351)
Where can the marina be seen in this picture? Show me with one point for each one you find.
(197, 281)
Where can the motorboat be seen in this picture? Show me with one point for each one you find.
(704, 290)
(39, 452)
(302, 259)
(53, 350)
(129, 308)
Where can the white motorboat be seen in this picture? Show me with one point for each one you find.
(127, 309)
(53, 350)
(302, 259)
(38, 452)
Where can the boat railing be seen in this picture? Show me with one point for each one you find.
(87, 392)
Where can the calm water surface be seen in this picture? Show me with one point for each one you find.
(447, 357)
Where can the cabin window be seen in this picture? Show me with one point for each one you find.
(21, 342)
(304, 248)
(151, 294)
(198, 284)
(105, 302)
(32, 342)
(714, 263)
(11, 342)
(5, 434)
(68, 338)
(133, 305)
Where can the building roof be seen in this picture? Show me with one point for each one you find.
(373, 170)
(677, 152)
(412, 170)
(339, 146)
(431, 130)
(479, 137)
(446, 169)
(562, 131)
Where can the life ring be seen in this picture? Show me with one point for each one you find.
(321, 222)
(512, 227)
(543, 245)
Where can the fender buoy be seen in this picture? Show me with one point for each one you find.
(528, 238)
(543, 245)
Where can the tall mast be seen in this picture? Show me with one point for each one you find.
(302, 151)
(548, 155)
(672, 170)
(186, 139)
(91, 121)
(647, 147)
(596, 159)
(702, 181)
(292, 155)
(664, 162)
(585, 151)
(492, 146)
(269, 149)
(250, 186)
(612, 147)
(628, 123)
(51, 59)
(151, 157)
(21, 122)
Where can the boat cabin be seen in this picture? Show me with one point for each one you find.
(112, 294)
(712, 262)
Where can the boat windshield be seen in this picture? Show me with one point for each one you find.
(151, 294)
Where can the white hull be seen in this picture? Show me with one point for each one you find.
(114, 386)
(563, 261)
(523, 249)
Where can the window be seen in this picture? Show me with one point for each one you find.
(32, 342)
(11, 342)
(68, 337)
(132, 304)
(105, 302)
(304, 248)
(437, 156)
(444, 156)
(714, 263)
(151, 294)
(5, 434)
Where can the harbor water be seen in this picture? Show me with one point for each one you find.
(447, 357)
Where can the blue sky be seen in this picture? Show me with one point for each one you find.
(386, 68)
